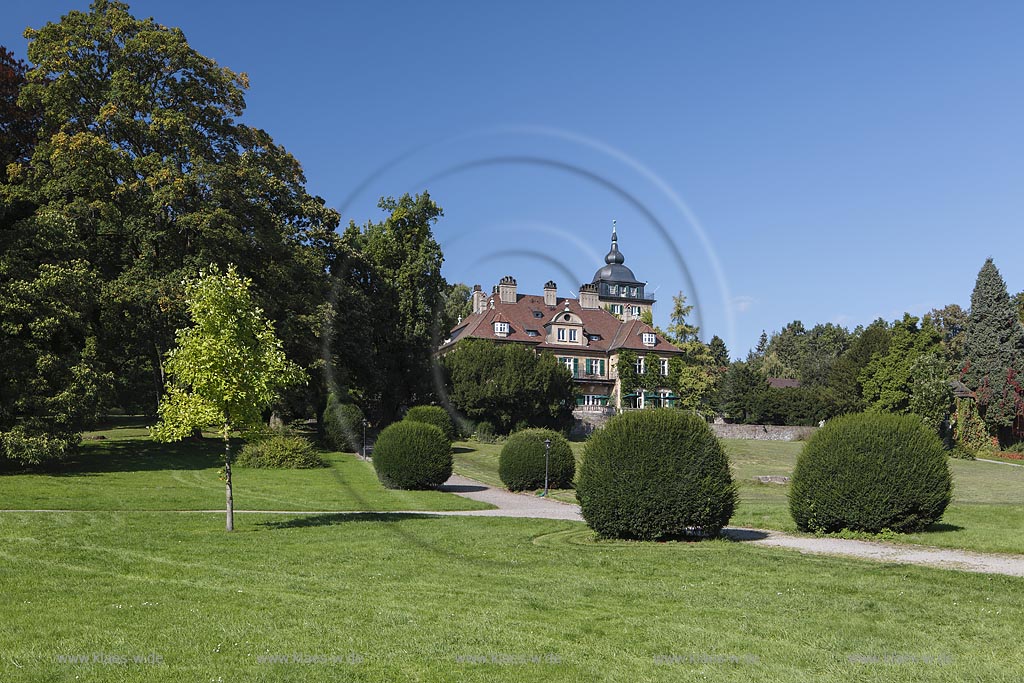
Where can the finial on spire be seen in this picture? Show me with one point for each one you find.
(614, 256)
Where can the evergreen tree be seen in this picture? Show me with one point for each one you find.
(994, 352)
(886, 380)
(719, 352)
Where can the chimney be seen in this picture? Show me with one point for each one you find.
(507, 290)
(588, 296)
(479, 300)
(550, 293)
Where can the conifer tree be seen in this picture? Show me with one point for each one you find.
(994, 351)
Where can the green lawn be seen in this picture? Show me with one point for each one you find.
(987, 513)
(128, 471)
(404, 599)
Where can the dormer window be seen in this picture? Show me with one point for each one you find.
(572, 335)
(560, 332)
(501, 329)
(649, 339)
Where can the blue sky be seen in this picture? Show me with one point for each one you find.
(775, 161)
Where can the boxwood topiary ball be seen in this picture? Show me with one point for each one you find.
(655, 475)
(412, 455)
(870, 472)
(521, 463)
(433, 415)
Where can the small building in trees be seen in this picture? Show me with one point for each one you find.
(591, 335)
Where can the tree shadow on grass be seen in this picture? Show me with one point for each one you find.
(942, 527)
(142, 455)
(460, 449)
(461, 488)
(740, 535)
(331, 519)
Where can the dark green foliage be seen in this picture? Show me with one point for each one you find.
(141, 151)
(393, 298)
(886, 380)
(802, 406)
(508, 384)
(655, 474)
(719, 351)
(433, 415)
(741, 387)
(343, 426)
(994, 352)
(521, 464)
(843, 390)
(412, 455)
(280, 452)
(870, 472)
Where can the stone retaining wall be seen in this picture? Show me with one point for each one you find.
(762, 432)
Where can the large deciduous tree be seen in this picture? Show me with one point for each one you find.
(886, 379)
(139, 149)
(226, 369)
(993, 349)
(392, 308)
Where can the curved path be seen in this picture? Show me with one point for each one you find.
(531, 506)
(526, 505)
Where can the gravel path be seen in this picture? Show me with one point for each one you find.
(531, 506)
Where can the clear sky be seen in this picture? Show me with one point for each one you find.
(774, 160)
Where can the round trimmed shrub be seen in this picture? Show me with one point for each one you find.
(870, 472)
(412, 455)
(343, 426)
(521, 463)
(433, 415)
(280, 452)
(654, 475)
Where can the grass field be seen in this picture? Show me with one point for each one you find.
(127, 471)
(472, 599)
(987, 513)
(125, 587)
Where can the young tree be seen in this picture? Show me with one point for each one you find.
(994, 352)
(226, 369)
(680, 331)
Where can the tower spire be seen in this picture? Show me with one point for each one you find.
(614, 255)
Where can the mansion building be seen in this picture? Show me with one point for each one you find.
(587, 333)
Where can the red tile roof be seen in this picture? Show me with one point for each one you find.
(529, 312)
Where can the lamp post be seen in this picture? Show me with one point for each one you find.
(364, 438)
(547, 458)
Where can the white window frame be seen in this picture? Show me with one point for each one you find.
(617, 309)
(641, 365)
(649, 339)
(664, 367)
(573, 335)
(560, 333)
(500, 328)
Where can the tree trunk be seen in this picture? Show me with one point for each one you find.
(227, 483)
